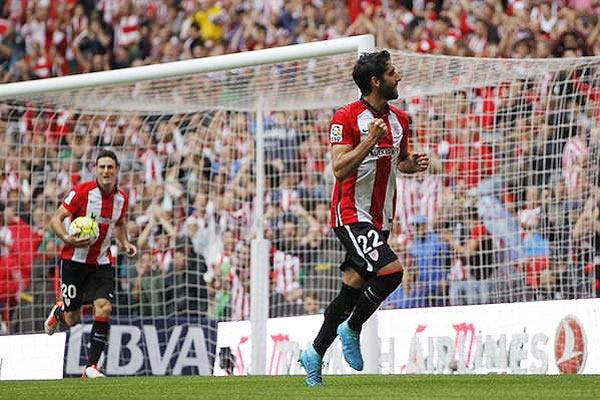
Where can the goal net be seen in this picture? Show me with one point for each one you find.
(507, 212)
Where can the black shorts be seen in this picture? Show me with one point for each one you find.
(84, 283)
(367, 250)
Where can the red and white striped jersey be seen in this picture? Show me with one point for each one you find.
(286, 272)
(240, 295)
(127, 30)
(417, 197)
(106, 208)
(368, 195)
(575, 154)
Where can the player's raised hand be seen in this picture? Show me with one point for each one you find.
(377, 129)
(421, 161)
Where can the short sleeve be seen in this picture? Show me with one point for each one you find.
(74, 200)
(340, 131)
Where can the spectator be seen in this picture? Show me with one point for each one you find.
(185, 289)
(535, 254)
(586, 238)
(286, 275)
(239, 276)
(477, 255)
(405, 295)
(148, 288)
(77, 38)
(217, 279)
(432, 259)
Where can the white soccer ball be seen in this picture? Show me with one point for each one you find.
(84, 227)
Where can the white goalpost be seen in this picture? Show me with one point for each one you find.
(226, 163)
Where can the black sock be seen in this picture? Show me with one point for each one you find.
(336, 313)
(378, 289)
(98, 339)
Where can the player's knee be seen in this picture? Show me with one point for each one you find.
(71, 317)
(106, 309)
(103, 307)
(395, 279)
(382, 286)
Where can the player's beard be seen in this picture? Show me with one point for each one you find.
(389, 92)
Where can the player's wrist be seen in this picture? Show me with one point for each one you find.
(371, 141)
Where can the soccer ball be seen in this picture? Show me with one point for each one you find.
(84, 227)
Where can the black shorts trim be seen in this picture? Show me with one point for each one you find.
(367, 250)
(83, 283)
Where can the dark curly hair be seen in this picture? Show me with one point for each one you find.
(367, 66)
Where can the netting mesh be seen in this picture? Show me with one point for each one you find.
(507, 212)
(322, 82)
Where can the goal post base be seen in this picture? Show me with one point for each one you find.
(259, 304)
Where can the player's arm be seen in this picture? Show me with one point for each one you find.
(57, 226)
(346, 159)
(123, 238)
(411, 163)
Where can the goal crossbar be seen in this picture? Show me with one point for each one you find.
(187, 67)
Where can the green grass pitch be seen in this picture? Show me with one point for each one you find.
(364, 387)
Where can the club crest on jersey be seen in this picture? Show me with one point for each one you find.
(335, 133)
(374, 255)
(69, 197)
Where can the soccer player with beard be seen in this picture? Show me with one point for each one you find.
(369, 142)
(87, 275)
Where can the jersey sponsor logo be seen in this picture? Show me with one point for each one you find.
(69, 197)
(335, 133)
(384, 152)
(100, 219)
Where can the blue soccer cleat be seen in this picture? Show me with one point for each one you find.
(312, 363)
(350, 346)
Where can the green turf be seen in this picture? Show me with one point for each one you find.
(364, 387)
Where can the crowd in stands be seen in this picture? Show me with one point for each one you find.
(41, 39)
(190, 177)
